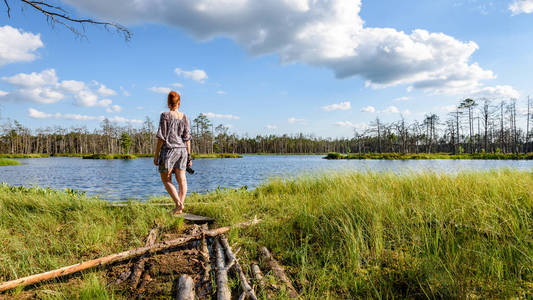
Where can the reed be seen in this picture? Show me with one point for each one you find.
(8, 162)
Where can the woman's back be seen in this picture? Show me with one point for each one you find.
(174, 131)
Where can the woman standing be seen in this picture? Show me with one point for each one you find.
(172, 153)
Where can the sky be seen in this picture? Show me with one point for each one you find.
(321, 67)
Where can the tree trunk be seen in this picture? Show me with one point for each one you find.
(185, 289)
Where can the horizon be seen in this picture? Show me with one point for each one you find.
(324, 73)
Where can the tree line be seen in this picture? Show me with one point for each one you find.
(472, 127)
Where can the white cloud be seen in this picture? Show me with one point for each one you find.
(33, 113)
(368, 109)
(140, 107)
(23, 80)
(499, 91)
(196, 75)
(18, 46)
(406, 112)
(3, 93)
(448, 108)
(160, 89)
(521, 6)
(221, 92)
(293, 120)
(105, 91)
(114, 109)
(391, 110)
(177, 84)
(271, 126)
(359, 126)
(340, 106)
(45, 88)
(220, 116)
(322, 33)
(401, 99)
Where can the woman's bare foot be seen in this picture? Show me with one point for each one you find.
(177, 211)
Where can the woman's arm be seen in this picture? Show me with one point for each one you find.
(157, 150)
(189, 162)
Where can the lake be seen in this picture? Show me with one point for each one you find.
(139, 179)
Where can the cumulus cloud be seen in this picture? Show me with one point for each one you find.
(368, 109)
(18, 46)
(391, 110)
(114, 109)
(271, 127)
(45, 88)
(33, 113)
(293, 120)
(221, 116)
(105, 91)
(177, 84)
(221, 92)
(196, 75)
(322, 33)
(359, 126)
(160, 89)
(338, 106)
(521, 7)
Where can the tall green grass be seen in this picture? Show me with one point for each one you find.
(391, 236)
(33, 155)
(8, 162)
(340, 235)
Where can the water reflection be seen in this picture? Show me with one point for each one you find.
(139, 179)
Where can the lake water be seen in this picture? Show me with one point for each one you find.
(139, 179)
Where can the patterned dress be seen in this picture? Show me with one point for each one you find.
(174, 132)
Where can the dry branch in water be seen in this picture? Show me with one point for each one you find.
(57, 15)
(278, 271)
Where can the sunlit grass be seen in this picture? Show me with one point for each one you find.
(340, 235)
(8, 162)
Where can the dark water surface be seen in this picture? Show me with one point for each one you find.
(139, 179)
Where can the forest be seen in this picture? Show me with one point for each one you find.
(475, 126)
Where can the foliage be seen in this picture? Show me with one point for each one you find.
(8, 162)
(125, 142)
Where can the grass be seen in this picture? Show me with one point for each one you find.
(109, 156)
(33, 155)
(401, 156)
(8, 162)
(340, 235)
(217, 155)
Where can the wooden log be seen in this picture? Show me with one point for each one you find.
(242, 296)
(32, 279)
(138, 268)
(185, 289)
(278, 271)
(242, 277)
(258, 276)
(150, 240)
(223, 291)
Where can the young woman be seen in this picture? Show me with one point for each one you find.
(172, 153)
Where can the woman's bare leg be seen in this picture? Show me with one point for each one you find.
(171, 189)
(182, 184)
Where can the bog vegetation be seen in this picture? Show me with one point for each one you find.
(371, 235)
(473, 127)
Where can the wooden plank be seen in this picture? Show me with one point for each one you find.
(197, 219)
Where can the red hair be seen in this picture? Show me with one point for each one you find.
(173, 100)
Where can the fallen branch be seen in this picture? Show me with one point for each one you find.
(138, 268)
(185, 289)
(223, 291)
(278, 271)
(242, 277)
(32, 279)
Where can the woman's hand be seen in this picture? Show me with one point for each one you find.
(156, 158)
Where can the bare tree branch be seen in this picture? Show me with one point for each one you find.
(55, 14)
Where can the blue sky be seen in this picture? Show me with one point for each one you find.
(266, 67)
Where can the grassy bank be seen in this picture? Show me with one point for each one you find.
(8, 162)
(34, 155)
(342, 235)
(109, 156)
(400, 156)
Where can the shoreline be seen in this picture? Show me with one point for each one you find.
(430, 156)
